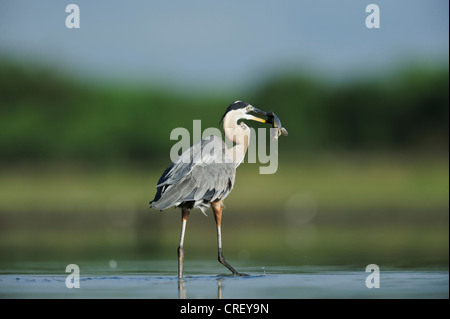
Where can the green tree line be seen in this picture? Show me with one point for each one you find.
(47, 116)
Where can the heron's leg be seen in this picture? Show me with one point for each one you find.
(217, 209)
(184, 216)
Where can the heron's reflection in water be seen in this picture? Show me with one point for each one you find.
(219, 288)
(182, 289)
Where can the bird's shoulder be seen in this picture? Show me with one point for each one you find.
(206, 157)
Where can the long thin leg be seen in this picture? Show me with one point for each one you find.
(184, 216)
(217, 209)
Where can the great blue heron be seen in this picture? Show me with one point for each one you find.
(203, 175)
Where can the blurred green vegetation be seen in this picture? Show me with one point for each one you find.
(343, 210)
(46, 116)
(362, 177)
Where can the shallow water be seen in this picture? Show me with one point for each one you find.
(136, 279)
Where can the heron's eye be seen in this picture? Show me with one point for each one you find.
(248, 107)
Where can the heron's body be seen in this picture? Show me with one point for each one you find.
(196, 178)
(204, 175)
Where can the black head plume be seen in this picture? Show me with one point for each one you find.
(234, 106)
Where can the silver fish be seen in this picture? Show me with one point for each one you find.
(276, 124)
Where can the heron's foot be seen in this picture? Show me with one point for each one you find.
(239, 274)
(234, 274)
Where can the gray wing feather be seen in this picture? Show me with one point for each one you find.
(196, 176)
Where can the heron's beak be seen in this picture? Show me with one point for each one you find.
(255, 118)
(258, 111)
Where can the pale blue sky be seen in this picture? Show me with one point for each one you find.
(223, 44)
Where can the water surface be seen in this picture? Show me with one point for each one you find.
(137, 279)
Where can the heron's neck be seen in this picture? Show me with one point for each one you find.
(239, 135)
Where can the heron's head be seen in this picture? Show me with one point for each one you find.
(241, 110)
